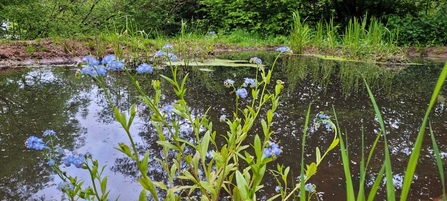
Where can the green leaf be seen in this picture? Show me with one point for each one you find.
(145, 162)
(269, 116)
(334, 144)
(148, 185)
(317, 155)
(125, 149)
(414, 157)
(242, 185)
(208, 187)
(311, 170)
(143, 195)
(104, 185)
(204, 145)
(258, 147)
(132, 115)
(167, 144)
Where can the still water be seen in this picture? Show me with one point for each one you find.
(36, 99)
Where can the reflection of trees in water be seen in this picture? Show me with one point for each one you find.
(32, 101)
(401, 116)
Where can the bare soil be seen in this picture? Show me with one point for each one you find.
(48, 52)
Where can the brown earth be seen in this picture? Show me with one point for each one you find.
(48, 52)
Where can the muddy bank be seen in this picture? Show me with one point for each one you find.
(69, 52)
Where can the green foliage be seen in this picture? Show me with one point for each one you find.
(44, 18)
(265, 17)
(429, 29)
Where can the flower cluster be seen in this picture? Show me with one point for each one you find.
(249, 82)
(49, 132)
(242, 92)
(273, 150)
(95, 68)
(65, 186)
(323, 119)
(228, 83)
(256, 60)
(166, 52)
(145, 68)
(76, 159)
(283, 49)
(35, 143)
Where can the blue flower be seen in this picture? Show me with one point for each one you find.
(35, 143)
(211, 32)
(116, 65)
(283, 49)
(277, 188)
(49, 132)
(249, 81)
(222, 117)
(170, 56)
(89, 70)
(168, 108)
(273, 150)
(50, 162)
(242, 92)
(90, 60)
(140, 108)
(77, 160)
(93, 71)
(309, 187)
(228, 83)
(256, 60)
(107, 59)
(323, 119)
(167, 48)
(145, 68)
(65, 186)
(101, 70)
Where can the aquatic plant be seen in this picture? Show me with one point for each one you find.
(210, 170)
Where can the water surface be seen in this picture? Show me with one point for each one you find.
(33, 100)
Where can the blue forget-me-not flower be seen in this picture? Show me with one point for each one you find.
(228, 83)
(35, 143)
(145, 68)
(242, 92)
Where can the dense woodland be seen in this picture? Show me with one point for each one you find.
(419, 22)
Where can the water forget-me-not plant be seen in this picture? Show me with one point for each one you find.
(211, 170)
(71, 186)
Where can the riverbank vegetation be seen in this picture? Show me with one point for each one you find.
(368, 30)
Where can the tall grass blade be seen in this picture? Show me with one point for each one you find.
(376, 184)
(361, 195)
(345, 159)
(302, 179)
(438, 162)
(388, 169)
(412, 163)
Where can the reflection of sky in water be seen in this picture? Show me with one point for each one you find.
(100, 140)
(102, 134)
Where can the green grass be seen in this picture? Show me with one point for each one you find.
(386, 170)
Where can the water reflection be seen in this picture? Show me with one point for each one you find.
(33, 100)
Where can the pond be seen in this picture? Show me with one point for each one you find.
(36, 99)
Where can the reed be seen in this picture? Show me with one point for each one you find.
(300, 36)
